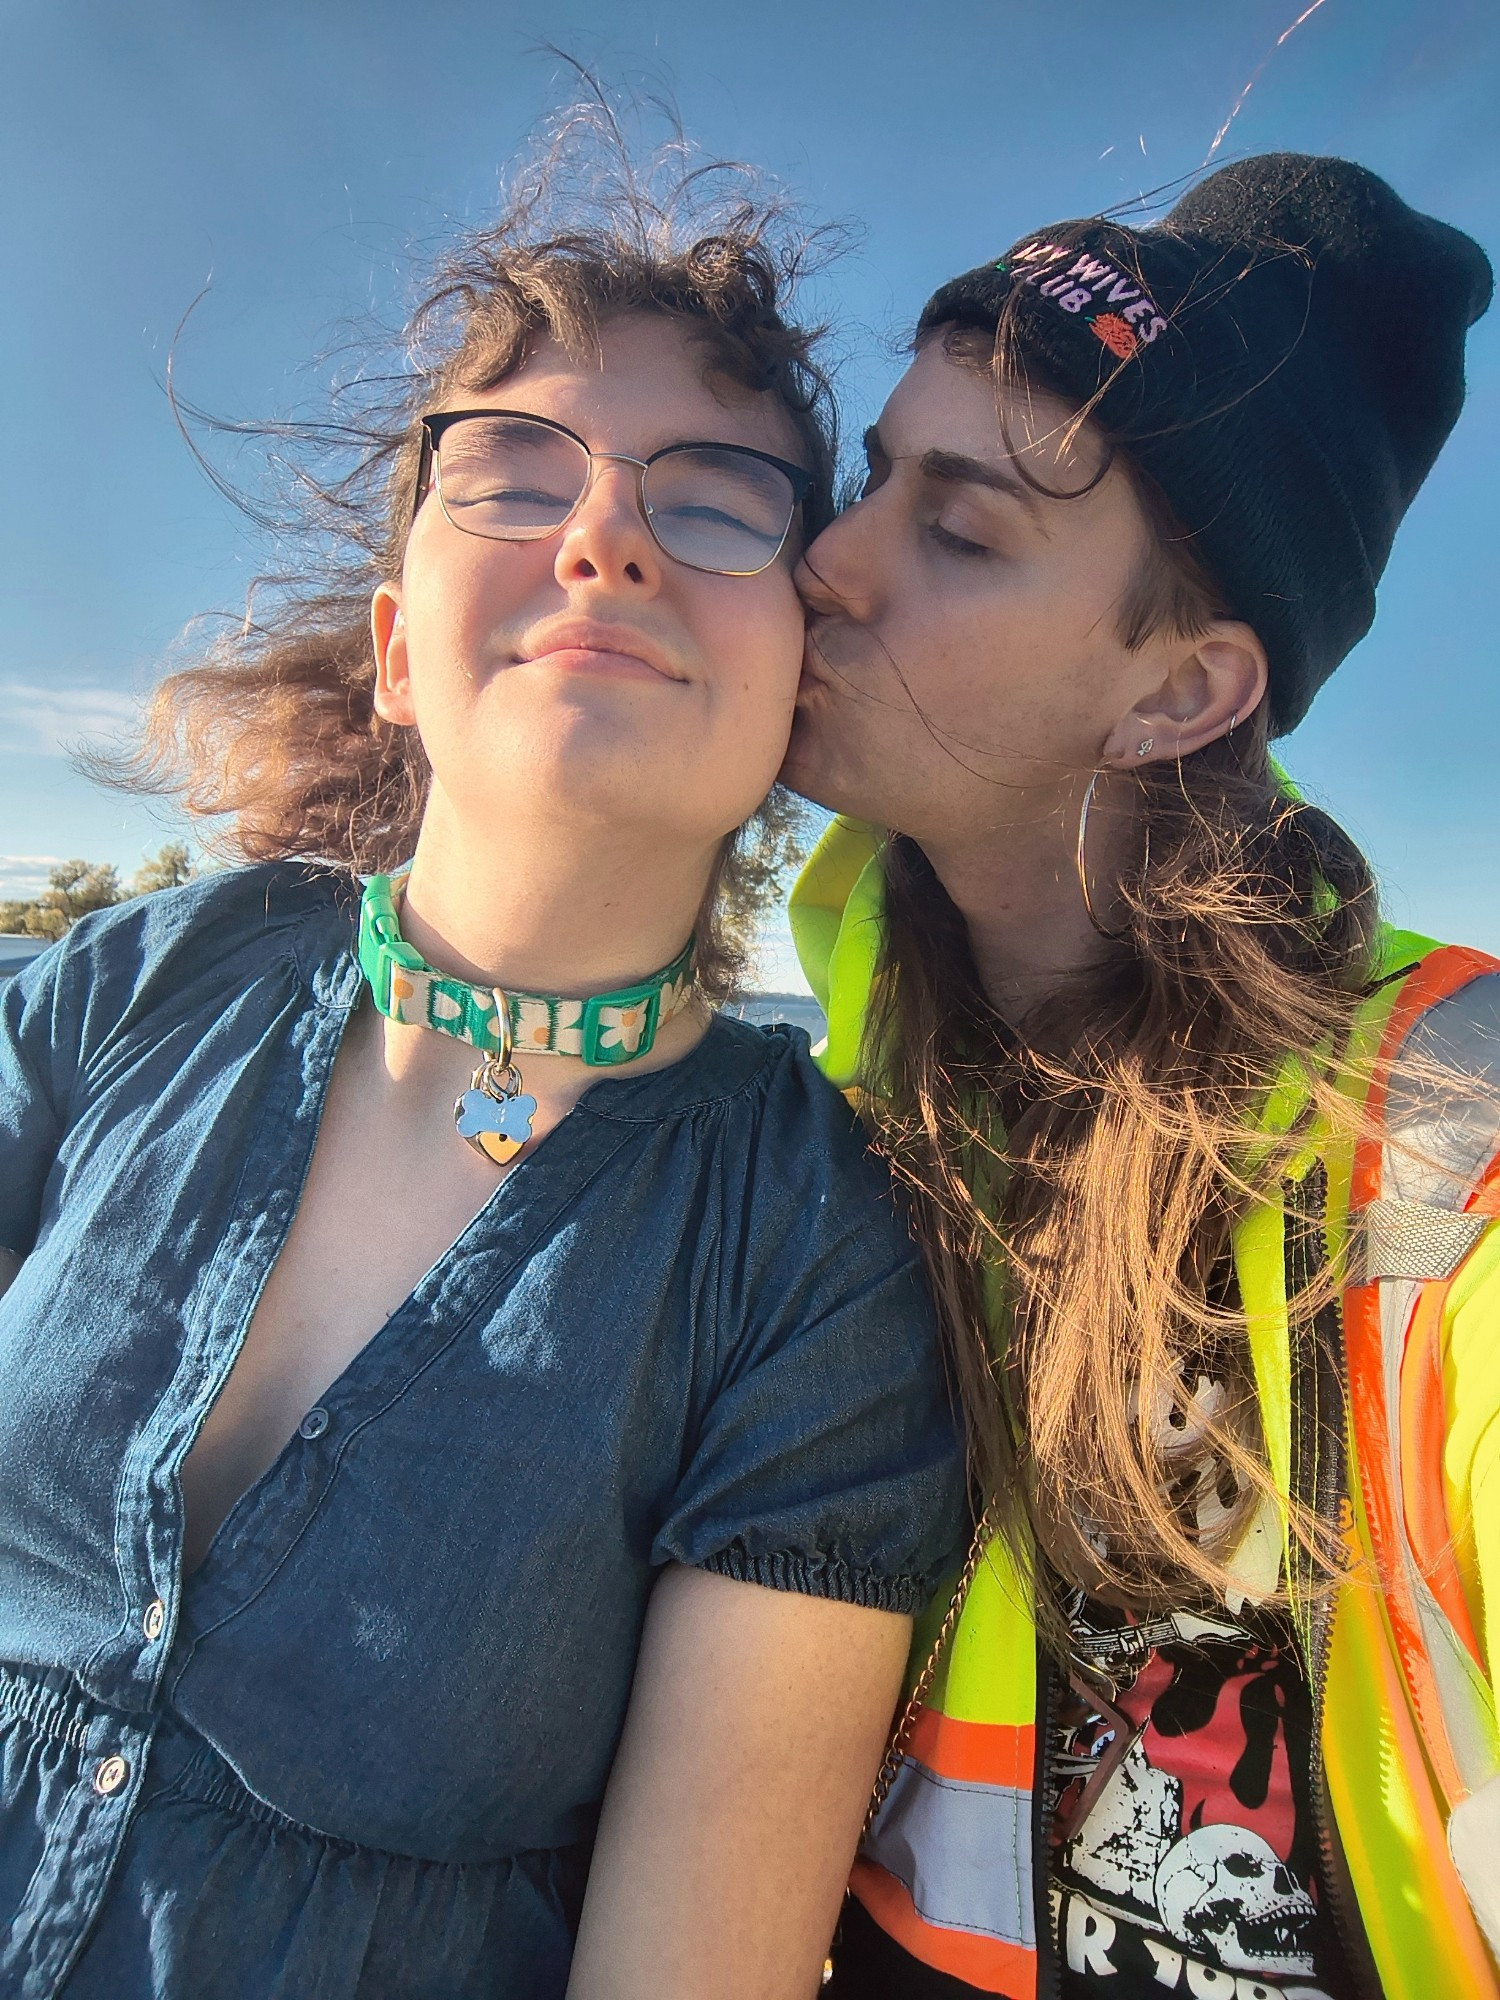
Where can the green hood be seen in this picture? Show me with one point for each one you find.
(837, 915)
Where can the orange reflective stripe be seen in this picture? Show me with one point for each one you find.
(989, 1963)
(1364, 1344)
(1440, 975)
(954, 1830)
(1424, 1425)
(978, 1753)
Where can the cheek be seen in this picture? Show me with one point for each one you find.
(461, 592)
(752, 638)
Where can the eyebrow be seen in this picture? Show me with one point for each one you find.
(955, 468)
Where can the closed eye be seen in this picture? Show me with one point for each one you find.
(956, 545)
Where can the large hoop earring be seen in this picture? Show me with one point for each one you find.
(1080, 863)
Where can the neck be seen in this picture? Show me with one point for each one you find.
(556, 907)
(1017, 890)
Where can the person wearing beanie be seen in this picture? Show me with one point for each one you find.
(1203, 1157)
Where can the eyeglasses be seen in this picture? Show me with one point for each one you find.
(511, 477)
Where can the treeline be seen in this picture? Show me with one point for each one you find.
(76, 887)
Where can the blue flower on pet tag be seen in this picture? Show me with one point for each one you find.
(494, 1114)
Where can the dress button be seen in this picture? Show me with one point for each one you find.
(314, 1423)
(109, 1774)
(154, 1619)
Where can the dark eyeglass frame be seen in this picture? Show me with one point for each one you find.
(437, 421)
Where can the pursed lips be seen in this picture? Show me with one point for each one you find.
(589, 641)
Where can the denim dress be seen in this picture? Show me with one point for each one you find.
(361, 1750)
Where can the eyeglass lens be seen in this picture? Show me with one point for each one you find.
(710, 506)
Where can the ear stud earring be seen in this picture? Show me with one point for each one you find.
(1143, 748)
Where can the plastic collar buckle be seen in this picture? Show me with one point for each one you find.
(620, 1006)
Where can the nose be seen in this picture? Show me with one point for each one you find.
(837, 572)
(607, 539)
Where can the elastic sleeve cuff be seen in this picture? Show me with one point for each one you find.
(821, 1576)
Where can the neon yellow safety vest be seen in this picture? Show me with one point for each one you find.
(1402, 1661)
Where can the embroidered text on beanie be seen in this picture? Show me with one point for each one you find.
(1283, 353)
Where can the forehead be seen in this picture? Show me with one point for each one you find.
(647, 386)
(948, 404)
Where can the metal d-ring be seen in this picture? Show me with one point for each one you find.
(502, 1057)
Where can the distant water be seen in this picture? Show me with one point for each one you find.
(798, 1008)
(16, 951)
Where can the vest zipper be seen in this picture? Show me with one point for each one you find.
(1320, 1463)
(1048, 1965)
(1333, 1873)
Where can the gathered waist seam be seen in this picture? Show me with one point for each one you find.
(60, 1714)
(206, 1778)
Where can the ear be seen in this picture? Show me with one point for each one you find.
(1211, 684)
(393, 702)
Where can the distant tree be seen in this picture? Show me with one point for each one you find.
(756, 878)
(168, 868)
(74, 888)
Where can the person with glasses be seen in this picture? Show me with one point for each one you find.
(473, 1441)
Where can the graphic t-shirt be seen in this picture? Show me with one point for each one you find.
(1184, 1842)
(1183, 1854)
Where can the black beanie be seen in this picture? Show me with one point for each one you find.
(1283, 354)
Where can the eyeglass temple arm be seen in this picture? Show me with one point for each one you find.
(424, 469)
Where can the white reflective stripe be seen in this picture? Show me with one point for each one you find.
(1409, 1239)
(1468, 1706)
(1474, 1844)
(962, 1851)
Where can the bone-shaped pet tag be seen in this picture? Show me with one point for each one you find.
(494, 1114)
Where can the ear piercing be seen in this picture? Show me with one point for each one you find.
(1143, 748)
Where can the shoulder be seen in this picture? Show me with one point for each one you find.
(1443, 1033)
(813, 1184)
(763, 1085)
(264, 903)
(776, 1138)
(190, 946)
(1450, 997)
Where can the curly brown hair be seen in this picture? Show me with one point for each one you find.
(271, 726)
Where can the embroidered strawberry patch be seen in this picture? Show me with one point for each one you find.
(1117, 335)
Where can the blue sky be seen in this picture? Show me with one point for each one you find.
(298, 154)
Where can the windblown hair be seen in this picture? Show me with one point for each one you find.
(1076, 1177)
(272, 727)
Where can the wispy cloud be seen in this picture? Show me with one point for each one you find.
(23, 875)
(50, 721)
